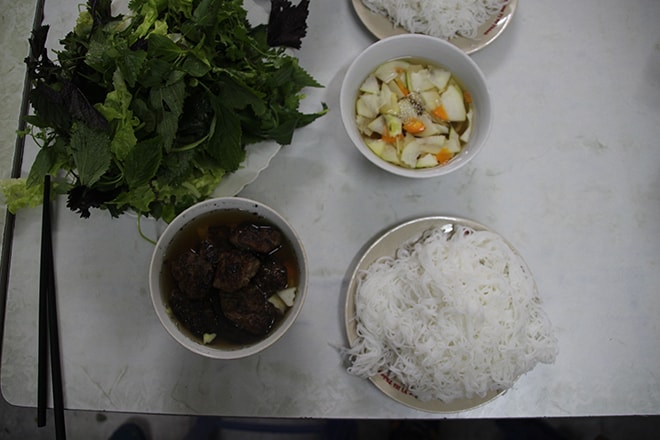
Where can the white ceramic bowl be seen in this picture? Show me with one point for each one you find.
(159, 295)
(438, 52)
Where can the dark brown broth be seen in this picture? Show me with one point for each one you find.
(193, 233)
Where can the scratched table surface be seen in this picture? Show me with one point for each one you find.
(570, 175)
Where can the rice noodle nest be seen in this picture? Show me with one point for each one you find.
(450, 317)
(439, 18)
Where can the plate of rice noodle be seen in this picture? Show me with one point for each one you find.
(468, 24)
(443, 315)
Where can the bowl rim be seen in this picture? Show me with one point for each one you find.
(160, 251)
(357, 71)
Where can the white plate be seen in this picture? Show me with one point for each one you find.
(381, 27)
(257, 158)
(387, 244)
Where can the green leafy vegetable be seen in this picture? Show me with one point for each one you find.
(150, 110)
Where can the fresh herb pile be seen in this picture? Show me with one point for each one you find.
(147, 112)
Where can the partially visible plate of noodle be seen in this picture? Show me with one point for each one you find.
(381, 25)
(380, 348)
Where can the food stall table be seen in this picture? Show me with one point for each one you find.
(570, 175)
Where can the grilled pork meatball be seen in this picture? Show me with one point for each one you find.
(271, 277)
(192, 273)
(235, 269)
(261, 239)
(198, 316)
(249, 310)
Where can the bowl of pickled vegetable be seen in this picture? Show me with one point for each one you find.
(416, 106)
(228, 277)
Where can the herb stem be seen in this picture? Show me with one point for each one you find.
(139, 228)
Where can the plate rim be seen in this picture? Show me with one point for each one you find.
(386, 385)
(381, 27)
(257, 158)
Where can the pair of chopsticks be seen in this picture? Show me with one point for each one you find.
(49, 342)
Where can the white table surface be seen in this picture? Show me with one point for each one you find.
(570, 175)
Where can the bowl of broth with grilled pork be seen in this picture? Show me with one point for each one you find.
(228, 277)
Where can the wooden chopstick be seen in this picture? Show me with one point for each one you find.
(44, 279)
(50, 326)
